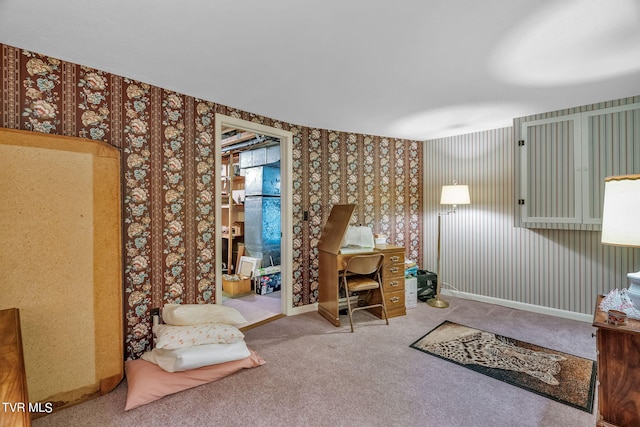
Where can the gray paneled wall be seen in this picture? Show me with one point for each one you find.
(613, 149)
(551, 183)
(483, 252)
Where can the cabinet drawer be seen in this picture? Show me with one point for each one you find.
(394, 258)
(392, 270)
(394, 302)
(393, 284)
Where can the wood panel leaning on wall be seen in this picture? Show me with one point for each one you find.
(61, 260)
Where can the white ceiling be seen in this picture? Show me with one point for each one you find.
(417, 69)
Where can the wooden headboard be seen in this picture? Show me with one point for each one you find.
(61, 261)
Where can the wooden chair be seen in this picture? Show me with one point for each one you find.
(363, 273)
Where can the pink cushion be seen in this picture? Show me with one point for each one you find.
(147, 381)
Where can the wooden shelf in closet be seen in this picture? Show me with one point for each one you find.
(232, 213)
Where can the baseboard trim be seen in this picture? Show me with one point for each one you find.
(303, 309)
(521, 306)
(342, 303)
(490, 300)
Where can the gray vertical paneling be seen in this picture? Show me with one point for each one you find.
(613, 158)
(611, 145)
(551, 159)
(483, 252)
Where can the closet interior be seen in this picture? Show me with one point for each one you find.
(251, 230)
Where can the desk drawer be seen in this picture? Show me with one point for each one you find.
(392, 270)
(393, 265)
(394, 302)
(393, 284)
(394, 258)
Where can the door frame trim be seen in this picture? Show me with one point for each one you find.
(286, 202)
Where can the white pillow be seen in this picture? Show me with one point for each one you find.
(197, 314)
(174, 337)
(184, 359)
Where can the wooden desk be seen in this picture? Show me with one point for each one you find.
(330, 265)
(618, 350)
(13, 378)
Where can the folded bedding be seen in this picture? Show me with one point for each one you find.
(182, 359)
(175, 337)
(197, 314)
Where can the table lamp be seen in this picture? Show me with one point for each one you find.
(453, 195)
(620, 224)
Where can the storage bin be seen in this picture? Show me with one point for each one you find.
(427, 282)
(411, 292)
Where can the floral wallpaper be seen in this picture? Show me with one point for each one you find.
(167, 139)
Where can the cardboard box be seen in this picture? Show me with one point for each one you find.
(267, 270)
(237, 229)
(268, 283)
(236, 287)
(238, 283)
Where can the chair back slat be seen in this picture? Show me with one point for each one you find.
(365, 264)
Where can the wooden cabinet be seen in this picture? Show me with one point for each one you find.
(393, 282)
(618, 371)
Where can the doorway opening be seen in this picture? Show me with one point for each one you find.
(253, 219)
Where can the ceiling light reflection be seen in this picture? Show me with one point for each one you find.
(570, 43)
(457, 120)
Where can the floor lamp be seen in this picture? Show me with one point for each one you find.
(451, 195)
(620, 226)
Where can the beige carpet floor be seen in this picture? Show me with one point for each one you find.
(254, 307)
(319, 375)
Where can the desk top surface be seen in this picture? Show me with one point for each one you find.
(377, 248)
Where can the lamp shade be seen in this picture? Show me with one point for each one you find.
(620, 225)
(455, 195)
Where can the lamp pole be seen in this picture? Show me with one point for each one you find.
(452, 195)
(437, 302)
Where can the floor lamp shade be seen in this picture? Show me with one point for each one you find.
(620, 224)
(455, 195)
